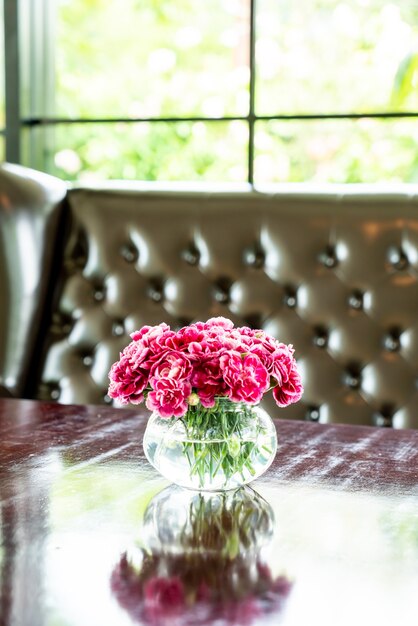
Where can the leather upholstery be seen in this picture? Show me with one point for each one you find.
(333, 272)
(30, 207)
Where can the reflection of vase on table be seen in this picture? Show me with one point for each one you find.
(201, 561)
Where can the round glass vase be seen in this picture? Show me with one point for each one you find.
(213, 449)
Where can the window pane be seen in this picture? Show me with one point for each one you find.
(337, 151)
(146, 58)
(327, 56)
(215, 151)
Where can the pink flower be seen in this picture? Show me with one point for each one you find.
(127, 383)
(186, 336)
(213, 345)
(137, 354)
(148, 334)
(249, 332)
(219, 323)
(155, 338)
(171, 365)
(246, 377)
(290, 391)
(244, 612)
(138, 334)
(169, 397)
(265, 356)
(283, 363)
(162, 597)
(208, 380)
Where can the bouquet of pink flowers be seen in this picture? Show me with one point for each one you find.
(202, 384)
(173, 371)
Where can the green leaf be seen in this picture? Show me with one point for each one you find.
(234, 445)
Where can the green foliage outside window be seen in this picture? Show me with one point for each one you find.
(147, 58)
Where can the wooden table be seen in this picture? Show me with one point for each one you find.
(331, 537)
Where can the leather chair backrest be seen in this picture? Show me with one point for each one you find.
(335, 273)
(30, 209)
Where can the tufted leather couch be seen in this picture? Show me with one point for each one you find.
(333, 271)
(31, 207)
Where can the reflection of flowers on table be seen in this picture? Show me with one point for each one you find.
(203, 564)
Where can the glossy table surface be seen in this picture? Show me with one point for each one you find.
(91, 535)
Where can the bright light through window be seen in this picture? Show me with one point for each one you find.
(315, 90)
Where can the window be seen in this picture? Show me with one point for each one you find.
(222, 90)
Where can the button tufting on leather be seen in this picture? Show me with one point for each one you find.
(191, 255)
(118, 329)
(129, 252)
(328, 257)
(381, 420)
(352, 377)
(356, 300)
(181, 322)
(221, 290)
(87, 360)
(55, 394)
(254, 257)
(48, 391)
(361, 309)
(290, 297)
(52, 390)
(255, 320)
(320, 339)
(313, 413)
(99, 294)
(61, 324)
(155, 290)
(392, 341)
(397, 258)
(385, 416)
